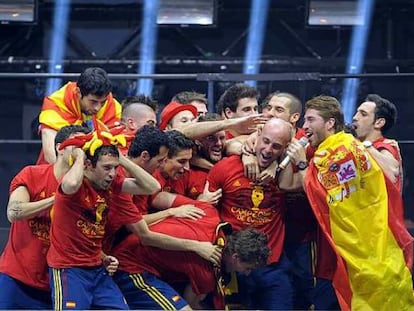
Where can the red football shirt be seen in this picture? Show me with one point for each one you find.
(78, 225)
(24, 257)
(173, 265)
(244, 204)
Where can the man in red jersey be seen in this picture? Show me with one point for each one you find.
(301, 226)
(239, 100)
(24, 277)
(137, 111)
(148, 149)
(373, 119)
(176, 177)
(246, 204)
(78, 226)
(76, 103)
(353, 205)
(78, 276)
(150, 267)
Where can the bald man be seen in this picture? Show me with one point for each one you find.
(246, 204)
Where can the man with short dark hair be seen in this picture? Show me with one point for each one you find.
(239, 100)
(77, 103)
(373, 119)
(79, 279)
(372, 251)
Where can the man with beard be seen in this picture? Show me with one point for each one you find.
(353, 204)
(175, 176)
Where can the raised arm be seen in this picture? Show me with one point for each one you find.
(141, 182)
(288, 179)
(48, 145)
(20, 207)
(72, 180)
(385, 159)
(243, 125)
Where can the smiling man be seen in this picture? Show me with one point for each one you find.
(371, 251)
(76, 103)
(245, 204)
(79, 216)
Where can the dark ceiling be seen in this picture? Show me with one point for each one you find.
(109, 35)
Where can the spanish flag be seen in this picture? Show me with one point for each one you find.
(63, 108)
(349, 196)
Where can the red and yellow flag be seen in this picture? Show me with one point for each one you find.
(63, 108)
(348, 194)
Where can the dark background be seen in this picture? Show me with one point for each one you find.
(108, 35)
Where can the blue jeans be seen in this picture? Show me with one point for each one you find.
(300, 256)
(267, 288)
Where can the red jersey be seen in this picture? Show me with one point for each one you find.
(78, 225)
(379, 144)
(184, 266)
(24, 257)
(244, 204)
(123, 211)
(229, 135)
(190, 184)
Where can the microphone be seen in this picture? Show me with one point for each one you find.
(285, 162)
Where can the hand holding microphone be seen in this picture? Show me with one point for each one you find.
(291, 150)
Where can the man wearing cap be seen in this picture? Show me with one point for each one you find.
(175, 115)
(181, 117)
(196, 99)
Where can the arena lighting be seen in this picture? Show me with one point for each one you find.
(356, 59)
(257, 29)
(334, 13)
(58, 43)
(148, 45)
(187, 13)
(18, 11)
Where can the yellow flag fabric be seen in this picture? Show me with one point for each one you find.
(347, 192)
(63, 108)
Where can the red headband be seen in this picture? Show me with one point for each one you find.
(99, 137)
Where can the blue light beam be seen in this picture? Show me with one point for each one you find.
(356, 58)
(257, 29)
(58, 44)
(148, 45)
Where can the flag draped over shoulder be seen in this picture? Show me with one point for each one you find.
(348, 194)
(62, 108)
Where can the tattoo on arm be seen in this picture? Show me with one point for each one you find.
(15, 210)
